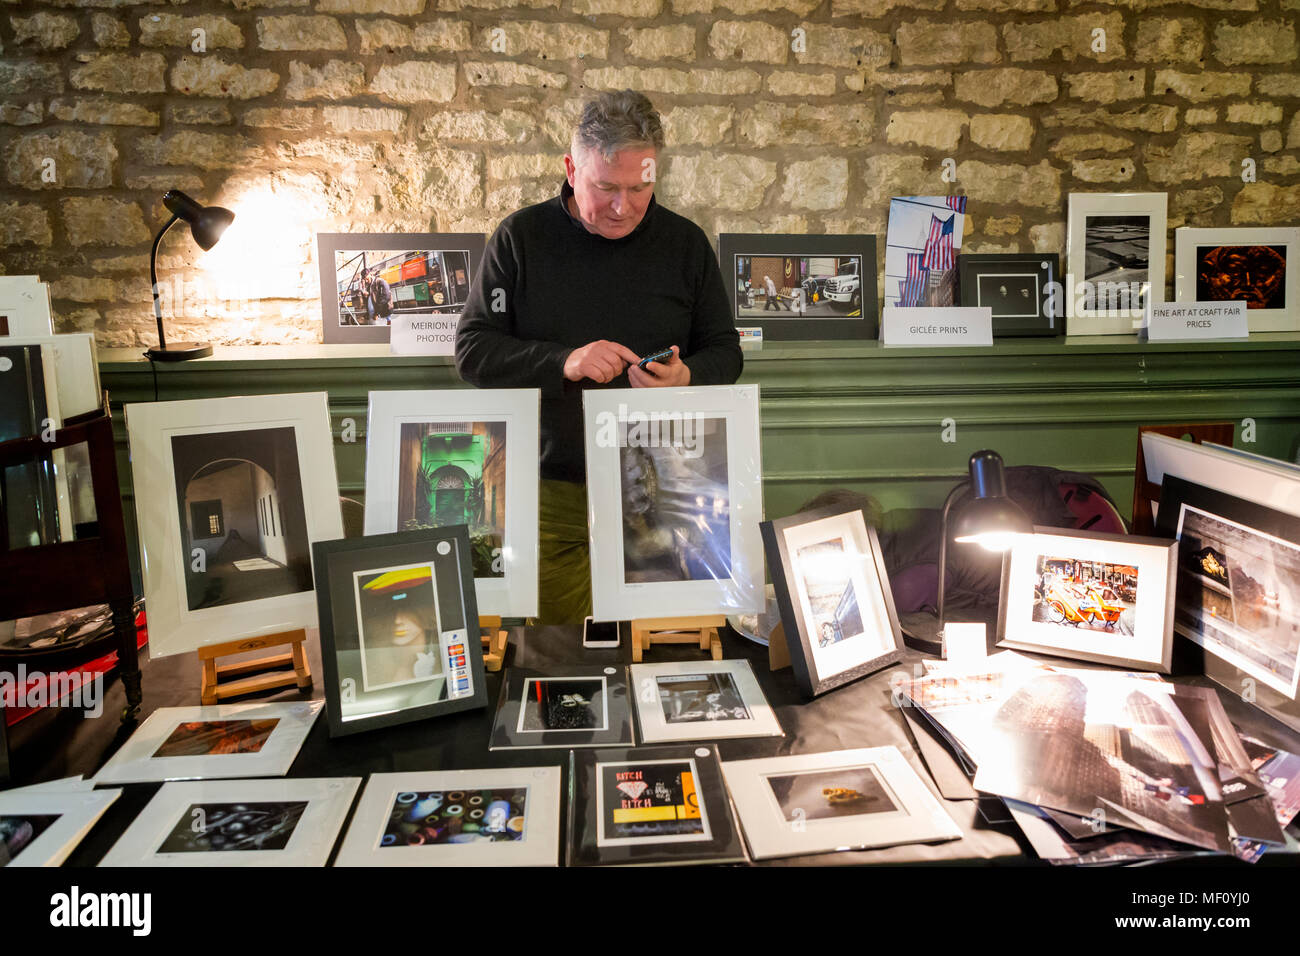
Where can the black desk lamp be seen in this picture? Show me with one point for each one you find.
(207, 223)
(990, 519)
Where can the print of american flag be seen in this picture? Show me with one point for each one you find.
(938, 245)
(916, 277)
(957, 203)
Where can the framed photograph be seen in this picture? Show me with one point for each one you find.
(700, 700)
(1115, 260)
(576, 706)
(1238, 580)
(35, 506)
(1257, 265)
(1107, 598)
(921, 248)
(832, 588)
(652, 805)
(205, 743)
(462, 456)
(801, 287)
(25, 307)
(75, 369)
(238, 823)
(845, 800)
(369, 281)
(42, 827)
(1022, 289)
(674, 497)
(501, 817)
(229, 494)
(398, 628)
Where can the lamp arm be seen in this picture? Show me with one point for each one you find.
(153, 279)
(960, 487)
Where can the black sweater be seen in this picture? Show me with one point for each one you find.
(563, 287)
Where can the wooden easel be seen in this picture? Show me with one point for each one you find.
(289, 668)
(495, 637)
(701, 631)
(778, 651)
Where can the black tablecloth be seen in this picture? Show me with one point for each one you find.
(60, 743)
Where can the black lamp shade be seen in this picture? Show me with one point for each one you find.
(207, 223)
(991, 513)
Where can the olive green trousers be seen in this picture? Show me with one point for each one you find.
(564, 572)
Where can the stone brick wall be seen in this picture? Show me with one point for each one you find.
(445, 115)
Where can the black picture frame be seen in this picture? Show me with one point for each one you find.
(1174, 494)
(834, 324)
(446, 551)
(584, 847)
(398, 243)
(1017, 270)
(611, 711)
(798, 635)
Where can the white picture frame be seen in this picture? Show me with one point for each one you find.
(1069, 618)
(77, 813)
(76, 369)
(676, 434)
(182, 815)
(1111, 214)
(175, 729)
(775, 827)
(372, 824)
(1188, 243)
(24, 307)
(300, 504)
(700, 700)
(389, 495)
(1266, 482)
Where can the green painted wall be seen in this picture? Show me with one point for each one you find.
(857, 415)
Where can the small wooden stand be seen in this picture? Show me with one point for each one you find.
(702, 631)
(778, 650)
(495, 638)
(290, 668)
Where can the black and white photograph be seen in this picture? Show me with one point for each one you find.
(237, 827)
(821, 794)
(397, 626)
(801, 287)
(701, 700)
(1239, 593)
(1022, 290)
(242, 516)
(676, 501)
(690, 698)
(921, 250)
(563, 704)
(370, 281)
(1118, 260)
(577, 705)
(238, 823)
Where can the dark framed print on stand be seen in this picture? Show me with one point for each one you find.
(575, 705)
(801, 287)
(1018, 287)
(398, 628)
(833, 592)
(364, 275)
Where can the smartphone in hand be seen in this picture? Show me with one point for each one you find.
(660, 356)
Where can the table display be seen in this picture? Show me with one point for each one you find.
(708, 700)
(674, 497)
(1091, 596)
(498, 817)
(229, 740)
(230, 493)
(456, 456)
(844, 800)
(399, 628)
(237, 823)
(652, 805)
(575, 706)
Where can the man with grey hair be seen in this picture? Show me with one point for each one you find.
(573, 292)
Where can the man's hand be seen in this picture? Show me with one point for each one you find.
(673, 373)
(599, 361)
